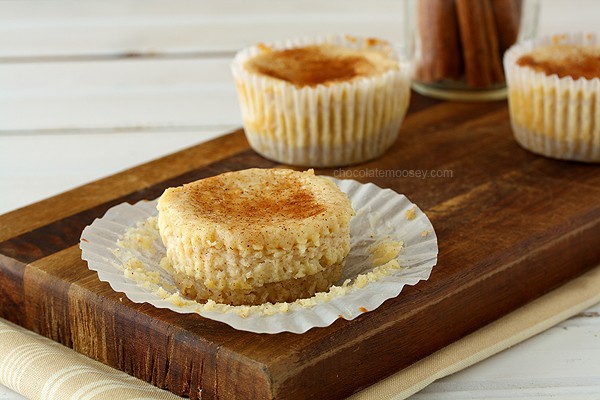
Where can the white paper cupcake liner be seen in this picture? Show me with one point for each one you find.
(381, 215)
(552, 116)
(325, 125)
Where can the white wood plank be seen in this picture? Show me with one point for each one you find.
(133, 93)
(123, 94)
(65, 28)
(34, 167)
(50, 28)
(562, 362)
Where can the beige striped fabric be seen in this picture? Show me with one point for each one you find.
(41, 369)
(38, 368)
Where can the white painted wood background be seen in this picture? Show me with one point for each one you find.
(90, 88)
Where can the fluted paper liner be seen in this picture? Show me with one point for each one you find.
(552, 116)
(381, 215)
(326, 125)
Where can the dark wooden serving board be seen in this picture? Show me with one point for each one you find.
(511, 226)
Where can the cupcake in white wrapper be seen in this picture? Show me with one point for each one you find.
(554, 96)
(393, 245)
(348, 114)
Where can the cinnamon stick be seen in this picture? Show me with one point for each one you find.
(479, 40)
(440, 43)
(507, 14)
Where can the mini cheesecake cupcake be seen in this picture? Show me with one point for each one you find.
(325, 102)
(554, 96)
(255, 236)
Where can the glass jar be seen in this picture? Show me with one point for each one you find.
(457, 45)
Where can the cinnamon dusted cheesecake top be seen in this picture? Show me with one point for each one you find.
(321, 64)
(576, 61)
(257, 207)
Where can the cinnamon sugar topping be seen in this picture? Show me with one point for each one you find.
(576, 61)
(320, 64)
(281, 199)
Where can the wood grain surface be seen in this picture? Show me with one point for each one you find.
(511, 226)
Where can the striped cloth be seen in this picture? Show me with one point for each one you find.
(38, 368)
(41, 369)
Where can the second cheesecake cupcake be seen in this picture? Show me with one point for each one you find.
(554, 96)
(330, 101)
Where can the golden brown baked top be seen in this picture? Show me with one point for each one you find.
(267, 198)
(255, 204)
(320, 64)
(576, 61)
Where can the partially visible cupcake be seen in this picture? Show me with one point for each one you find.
(322, 102)
(554, 96)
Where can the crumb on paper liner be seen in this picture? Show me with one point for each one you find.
(388, 251)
